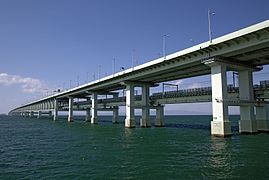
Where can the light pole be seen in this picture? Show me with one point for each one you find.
(164, 45)
(209, 14)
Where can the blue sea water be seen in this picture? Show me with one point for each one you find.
(43, 149)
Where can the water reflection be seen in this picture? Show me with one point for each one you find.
(219, 161)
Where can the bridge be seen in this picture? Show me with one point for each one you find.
(244, 51)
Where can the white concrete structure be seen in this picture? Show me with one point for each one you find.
(159, 116)
(220, 126)
(145, 120)
(94, 109)
(39, 115)
(70, 109)
(130, 120)
(247, 122)
(55, 114)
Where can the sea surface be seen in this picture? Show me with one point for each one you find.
(43, 149)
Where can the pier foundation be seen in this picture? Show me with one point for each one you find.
(55, 113)
(247, 123)
(115, 118)
(70, 109)
(94, 108)
(39, 114)
(160, 117)
(220, 126)
(88, 115)
(130, 120)
(145, 120)
(31, 114)
(262, 117)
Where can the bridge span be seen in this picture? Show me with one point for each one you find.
(243, 51)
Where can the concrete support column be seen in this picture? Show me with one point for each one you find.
(145, 120)
(220, 126)
(31, 114)
(247, 123)
(130, 119)
(159, 116)
(115, 119)
(88, 115)
(262, 117)
(70, 109)
(39, 114)
(94, 108)
(55, 114)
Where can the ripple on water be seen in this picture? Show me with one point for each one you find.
(32, 149)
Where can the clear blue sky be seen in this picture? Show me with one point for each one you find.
(46, 43)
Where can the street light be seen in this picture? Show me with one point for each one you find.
(164, 45)
(209, 14)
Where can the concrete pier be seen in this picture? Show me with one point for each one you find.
(262, 117)
(70, 109)
(247, 123)
(160, 117)
(145, 120)
(31, 114)
(39, 114)
(220, 126)
(115, 118)
(130, 119)
(55, 113)
(88, 115)
(94, 108)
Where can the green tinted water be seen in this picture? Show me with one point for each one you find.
(32, 149)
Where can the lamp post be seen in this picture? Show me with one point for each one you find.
(209, 14)
(164, 45)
